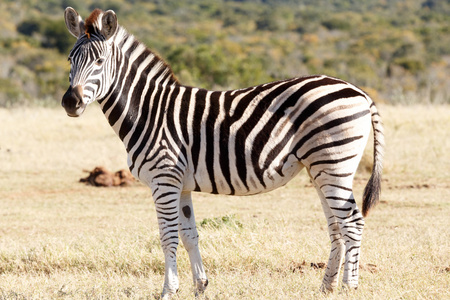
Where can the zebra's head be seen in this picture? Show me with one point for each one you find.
(90, 58)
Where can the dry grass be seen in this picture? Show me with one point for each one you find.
(62, 239)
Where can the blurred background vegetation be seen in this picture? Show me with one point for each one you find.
(396, 50)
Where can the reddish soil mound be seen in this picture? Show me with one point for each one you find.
(100, 176)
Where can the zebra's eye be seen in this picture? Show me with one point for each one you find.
(100, 61)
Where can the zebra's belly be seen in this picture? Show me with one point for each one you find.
(253, 182)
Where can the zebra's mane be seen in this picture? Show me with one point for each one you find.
(122, 38)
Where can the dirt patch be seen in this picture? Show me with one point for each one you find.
(319, 265)
(412, 186)
(100, 176)
(372, 268)
(295, 267)
(442, 269)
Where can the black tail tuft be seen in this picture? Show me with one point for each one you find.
(371, 192)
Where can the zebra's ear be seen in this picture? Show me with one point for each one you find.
(109, 24)
(74, 22)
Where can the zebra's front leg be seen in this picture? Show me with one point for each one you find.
(167, 203)
(189, 236)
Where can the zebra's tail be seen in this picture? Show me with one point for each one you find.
(373, 187)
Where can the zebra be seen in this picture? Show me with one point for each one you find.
(181, 139)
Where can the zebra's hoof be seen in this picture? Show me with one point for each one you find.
(167, 296)
(200, 286)
(348, 288)
(326, 288)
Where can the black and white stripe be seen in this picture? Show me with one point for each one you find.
(241, 142)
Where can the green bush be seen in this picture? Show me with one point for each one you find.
(337, 24)
(219, 222)
(410, 64)
(52, 33)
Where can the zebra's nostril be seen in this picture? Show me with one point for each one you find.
(78, 93)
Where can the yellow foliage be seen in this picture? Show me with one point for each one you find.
(232, 47)
(311, 38)
(21, 44)
(276, 54)
(409, 36)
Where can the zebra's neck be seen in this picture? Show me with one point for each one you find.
(139, 74)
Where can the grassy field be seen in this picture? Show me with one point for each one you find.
(62, 239)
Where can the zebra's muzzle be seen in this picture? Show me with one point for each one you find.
(72, 101)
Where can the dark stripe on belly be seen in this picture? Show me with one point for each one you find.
(210, 146)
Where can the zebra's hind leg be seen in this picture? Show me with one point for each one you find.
(352, 227)
(331, 277)
(345, 216)
(189, 236)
